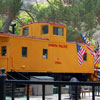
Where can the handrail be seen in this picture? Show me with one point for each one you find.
(21, 75)
(59, 84)
(53, 82)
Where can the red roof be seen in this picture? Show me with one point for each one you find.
(46, 22)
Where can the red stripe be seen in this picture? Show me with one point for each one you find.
(15, 35)
(80, 55)
(80, 58)
(91, 51)
(87, 42)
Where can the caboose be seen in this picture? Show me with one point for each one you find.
(42, 49)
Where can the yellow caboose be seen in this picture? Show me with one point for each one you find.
(41, 49)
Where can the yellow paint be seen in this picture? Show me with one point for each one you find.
(93, 77)
(62, 58)
(98, 65)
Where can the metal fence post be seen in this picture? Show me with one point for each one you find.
(59, 92)
(28, 94)
(43, 91)
(76, 95)
(2, 84)
(93, 90)
(13, 85)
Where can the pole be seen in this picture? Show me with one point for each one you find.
(2, 84)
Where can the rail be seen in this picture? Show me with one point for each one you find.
(3, 83)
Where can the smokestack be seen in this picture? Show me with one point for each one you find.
(13, 28)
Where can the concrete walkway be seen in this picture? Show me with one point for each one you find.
(55, 97)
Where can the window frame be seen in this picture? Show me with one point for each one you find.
(43, 55)
(42, 29)
(3, 52)
(24, 55)
(27, 31)
(85, 57)
(58, 31)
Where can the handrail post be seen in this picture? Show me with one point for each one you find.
(43, 91)
(93, 90)
(28, 89)
(59, 92)
(2, 84)
(76, 95)
(13, 88)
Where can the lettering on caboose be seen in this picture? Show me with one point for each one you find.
(52, 45)
(58, 62)
(55, 45)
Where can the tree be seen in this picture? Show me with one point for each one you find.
(79, 15)
(25, 19)
(97, 10)
(9, 8)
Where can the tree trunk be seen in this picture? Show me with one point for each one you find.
(7, 23)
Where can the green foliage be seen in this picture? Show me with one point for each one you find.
(97, 10)
(92, 42)
(1, 22)
(82, 16)
(72, 34)
(24, 17)
(10, 7)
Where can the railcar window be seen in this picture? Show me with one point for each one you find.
(85, 57)
(58, 31)
(24, 51)
(45, 29)
(4, 51)
(45, 52)
(25, 31)
(95, 50)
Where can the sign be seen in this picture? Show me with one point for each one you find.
(59, 45)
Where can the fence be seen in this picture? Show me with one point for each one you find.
(3, 82)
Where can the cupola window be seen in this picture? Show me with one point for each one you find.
(45, 29)
(25, 31)
(57, 31)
